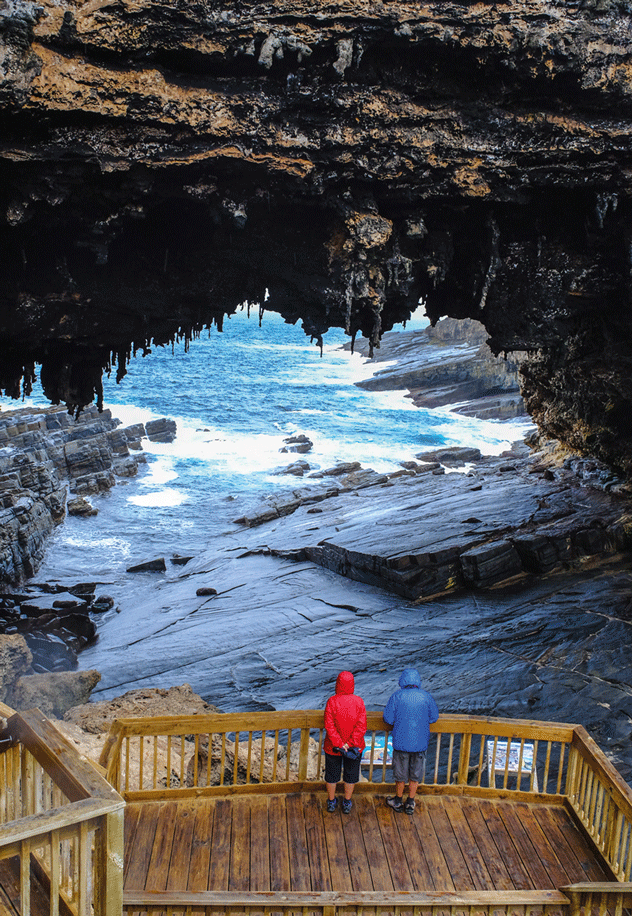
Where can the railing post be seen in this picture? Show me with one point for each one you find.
(109, 885)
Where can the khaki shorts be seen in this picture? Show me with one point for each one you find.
(409, 767)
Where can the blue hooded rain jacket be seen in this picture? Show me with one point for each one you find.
(410, 710)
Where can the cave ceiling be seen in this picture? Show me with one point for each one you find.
(162, 163)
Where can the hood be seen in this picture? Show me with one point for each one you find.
(345, 682)
(410, 677)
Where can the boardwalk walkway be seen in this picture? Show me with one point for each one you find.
(289, 843)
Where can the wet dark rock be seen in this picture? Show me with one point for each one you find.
(156, 565)
(80, 506)
(205, 590)
(162, 430)
(344, 467)
(177, 560)
(450, 457)
(297, 469)
(101, 604)
(300, 444)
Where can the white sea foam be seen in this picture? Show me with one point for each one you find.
(159, 498)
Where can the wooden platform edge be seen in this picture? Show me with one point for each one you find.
(140, 899)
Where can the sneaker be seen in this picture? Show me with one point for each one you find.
(395, 802)
(332, 804)
(409, 807)
(347, 805)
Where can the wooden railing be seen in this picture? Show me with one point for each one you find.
(270, 751)
(599, 899)
(602, 801)
(61, 824)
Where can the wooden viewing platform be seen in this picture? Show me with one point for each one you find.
(226, 814)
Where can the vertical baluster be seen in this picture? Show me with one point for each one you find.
(155, 765)
(289, 748)
(319, 769)
(25, 878)
(169, 760)
(547, 764)
(598, 815)
(126, 785)
(3, 788)
(54, 873)
(209, 758)
(222, 766)
(372, 754)
(263, 755)
(83, 902)
(627, 853)
(236, 759)
(249, 758)
(436, 766)
(196, 752)
(450, 752)
(560, 773)
(520, 759)
(141, 750)
(275, 754)
(534, 765)
(481, 758)
(182, 756)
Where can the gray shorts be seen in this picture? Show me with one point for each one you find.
(409, 767)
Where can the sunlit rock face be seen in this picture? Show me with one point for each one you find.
(162, 162)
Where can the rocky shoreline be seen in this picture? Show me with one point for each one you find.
(51, 463)
(506, 580)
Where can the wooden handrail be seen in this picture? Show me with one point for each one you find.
(36, 825)
(75, 777)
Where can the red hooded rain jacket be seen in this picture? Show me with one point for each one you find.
(345, 716)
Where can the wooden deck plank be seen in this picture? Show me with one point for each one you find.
(182, 847)
(279, 848)
(501, 879)
(396, 855)
(454, 857)
(259, 844)
(433, 852)
(420, 872)
(472, 853)
(198, 877)
(353, 831)
(132, 815)
(289, 842)
(158, 870)
(376, 854)
(136, 877)
(508, 852)
(239, 870)
(219, 867)
(521, 829)
(339, 864)
(313, 806)
(300, 877)
(547, 850)
(569, 838)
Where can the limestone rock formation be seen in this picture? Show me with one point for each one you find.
(162, 162)
(43, 452)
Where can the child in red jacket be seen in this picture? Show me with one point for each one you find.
(345, 724)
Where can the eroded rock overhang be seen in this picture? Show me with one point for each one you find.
(163, 162)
